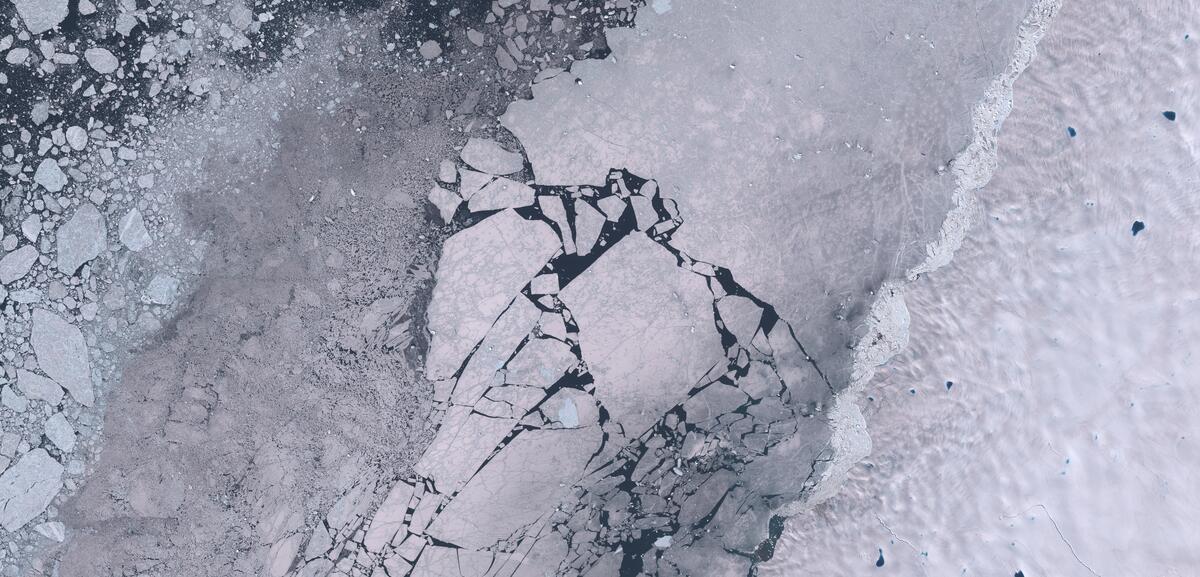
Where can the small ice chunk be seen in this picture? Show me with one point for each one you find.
(41, 15)
(505, 60)
(63, 354)
(240, 17)
(446, 202)
(17, 263)
(162, 289)
(81, 239)
(472, 182)
(488, 156)
(60, 432)
(101, 60)
(40, 112)
(17, 56)
(666, 540)
(77, 137)
(546, 284)
(125, 23)
(26, 296)
(50, 176)
(447, 172)
(86, 8)
(643, 212)
(35, 386)
(430, 49)
(10, 398)
(133, 232)
(589, 223)
(27, 488)
(613, 207)
(31, 227)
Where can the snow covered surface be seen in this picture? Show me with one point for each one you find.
(1042, 419)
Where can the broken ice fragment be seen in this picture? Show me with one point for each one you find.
(501, 193)
(446, 202)
(643, 212)
(40, 112)
(50, 176)
(430, 49)
(101, 60)
(240, 17)
(77, 137)
(588, 225)
(741, 317)
(41, 15)
(389, 518)
(646, 321)
(612, 207)
(9, 397)
(27, 488)
(38, 387)
(537, 467)
(17, 263)
(62, 354)
(472, 182)
(553, 208)
(133, 232)
(81, 239)
(162, 289)
(490, 157)
(447, 172)
(53, 530)
(60, 432)
(31, 227)
(546, 284)
(481, 270)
